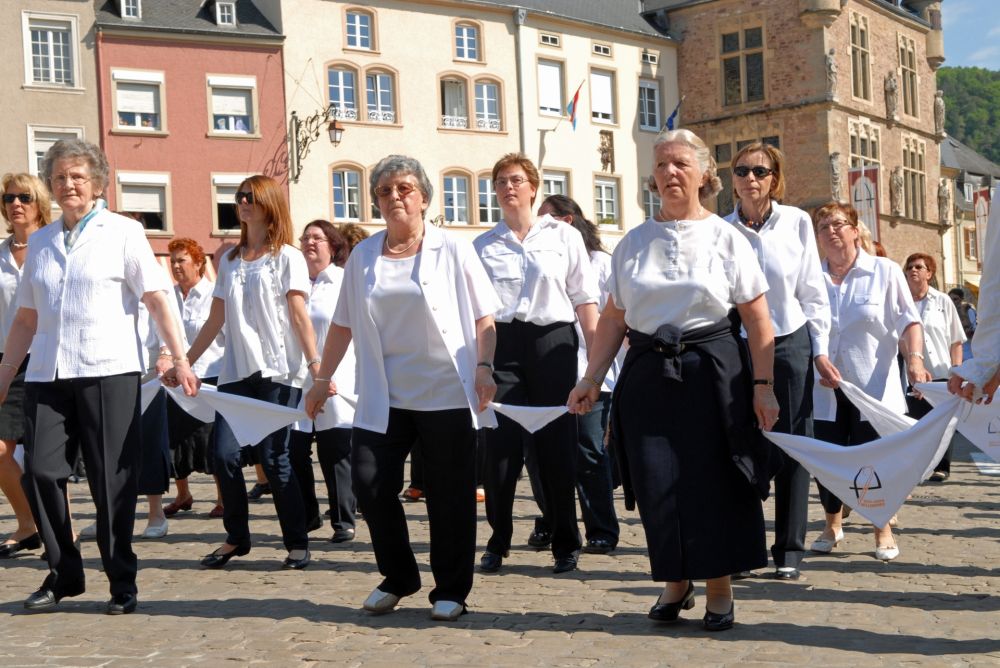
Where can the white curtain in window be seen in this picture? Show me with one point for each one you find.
(454, 98)
(230, 102)
(549, 86)
(138, 98)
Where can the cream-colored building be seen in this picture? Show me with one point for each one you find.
(49, 81)
(458, 84)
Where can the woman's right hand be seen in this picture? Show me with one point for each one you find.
(320, 391)
(828, 374)
(583, 397)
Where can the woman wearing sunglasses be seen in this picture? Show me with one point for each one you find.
(783, 240)
(260, 297)
(26, 208)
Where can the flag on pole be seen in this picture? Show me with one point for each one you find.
(571, 107)
(672, 118)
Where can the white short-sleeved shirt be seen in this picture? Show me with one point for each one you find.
(456, 292)
(942, 329)
(686, 273)
(541, 279)
(601, 262)
(194, 310)
(87, 299)
(869, 311)
(10, 278)
(259, 334)
(786, 249)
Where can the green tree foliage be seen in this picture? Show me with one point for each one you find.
(972, 96)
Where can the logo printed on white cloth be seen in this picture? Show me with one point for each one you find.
(993, 433)
(866, 481)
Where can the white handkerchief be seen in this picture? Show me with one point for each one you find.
(531, 418)
(884, 420)
(147, 392)
(196, 407)
(875, 478)
(980, 423)
(250, 419)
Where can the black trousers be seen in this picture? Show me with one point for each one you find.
(916, 409)
(535, 366)
(448, 443)
(102, 415)
(793, 385)
(848, 429)
(154, 458)
(333, 449)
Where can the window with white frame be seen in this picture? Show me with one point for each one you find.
(970, 243)
(600, 49)
(359, 30)
(649, 58)
(489, 209)
(968, 190)
(341, 87)
(466, 41)
(456, 199)
(131, 9)
(454, 104)
(606, 208)
(346, 195)
(51, 51)
(487, 106)
(548, 39)
(138, 100)
(381, 101)
(914, 178)
(861, 78)
(602, 96)
(224, 187)
(908, 70)
(41, 139)
(225, 13)
(864, 144)
(649, 105)
(743, 66)
(650, 200)
(555, 183)
(143, 196)
(550, 87)
(232, 105)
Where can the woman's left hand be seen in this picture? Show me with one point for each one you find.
(916, 373)
(185, 378)
(486, 388)
(765, 406)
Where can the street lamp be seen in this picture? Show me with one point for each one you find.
(302, 133)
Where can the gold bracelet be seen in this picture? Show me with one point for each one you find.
(2, 364)
(591, 381)
(321, 380)
(180, 358)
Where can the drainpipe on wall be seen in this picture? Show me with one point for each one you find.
(99, 42)
(520, 15)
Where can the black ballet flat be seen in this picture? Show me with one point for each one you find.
(216, 560)
(670, 612)
(720, 622)
(32, 542)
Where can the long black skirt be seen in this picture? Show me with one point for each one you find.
(701, 516)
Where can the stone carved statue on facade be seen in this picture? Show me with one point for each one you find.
(891, 96)
(831, 73)
(944, 201)
(939, 113)
(836, 177)
(896, 191)
(607, 151)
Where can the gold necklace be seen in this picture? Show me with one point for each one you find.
(400, 252)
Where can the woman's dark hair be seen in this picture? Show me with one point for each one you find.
(338, 244)
(562, 205)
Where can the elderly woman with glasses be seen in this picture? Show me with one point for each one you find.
(82, 282)
(783, 240)
(871, 311)
(419, 308)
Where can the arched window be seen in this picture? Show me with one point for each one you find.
(347, 191)
(360, 30)
(454, 101)
(489, 209)
(489, 112)
(342, 91)
(468, 42)
(455, 198)
(380, 92)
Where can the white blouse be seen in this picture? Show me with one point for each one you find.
(869, 311)
(194, 310)
(786, 250)
(10, 277)
(601, 262)
(541, 279)
(687, 273)
(259, 334)
(942, 329)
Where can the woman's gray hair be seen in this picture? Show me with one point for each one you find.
(706, 163)
(77, 149)
(400, 164)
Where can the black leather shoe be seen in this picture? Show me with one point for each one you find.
(540, 538)
(490, 562)
(314, 523)
(342, 536)
(46, 598)
(720, 622)
(565, 564)
(32, 542)
(218, 560)
(296, 564)
(122, 604)
(258, 490)
(787, 574)
(670, 612)
(598, 546)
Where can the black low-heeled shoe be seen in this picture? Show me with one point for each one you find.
(490, 562)
(216, 560)
(32, 542)
(296, 564)
(670, 612)
(715, 621)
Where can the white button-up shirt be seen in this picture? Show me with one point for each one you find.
(543, 278)
(786, 249)
(10, 277)
(87, 299)
(601, 262)
(942, 329)
(456, 293)
(194, 310)
(869, 311)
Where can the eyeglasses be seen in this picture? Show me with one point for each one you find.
(318, 238)
(403, 189)
(75, 179)
(915, 266)
(515, 181)
(240, 196)
(23, 198)
(758, 171)
(835, 226)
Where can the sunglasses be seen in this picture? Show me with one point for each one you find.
(240, 196)
(23, 198)
(403, 189)
(758, 171)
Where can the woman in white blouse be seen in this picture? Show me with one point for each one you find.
(540, 269)
(77, 304)
(26, 208)
(325, 250)
(871, 311)
(419, 308)
(684, 407)
(783, 239)
(260, 297)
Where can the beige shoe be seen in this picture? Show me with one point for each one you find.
(825, 545)
(886, 553)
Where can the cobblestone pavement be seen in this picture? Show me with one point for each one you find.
(937, 604)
